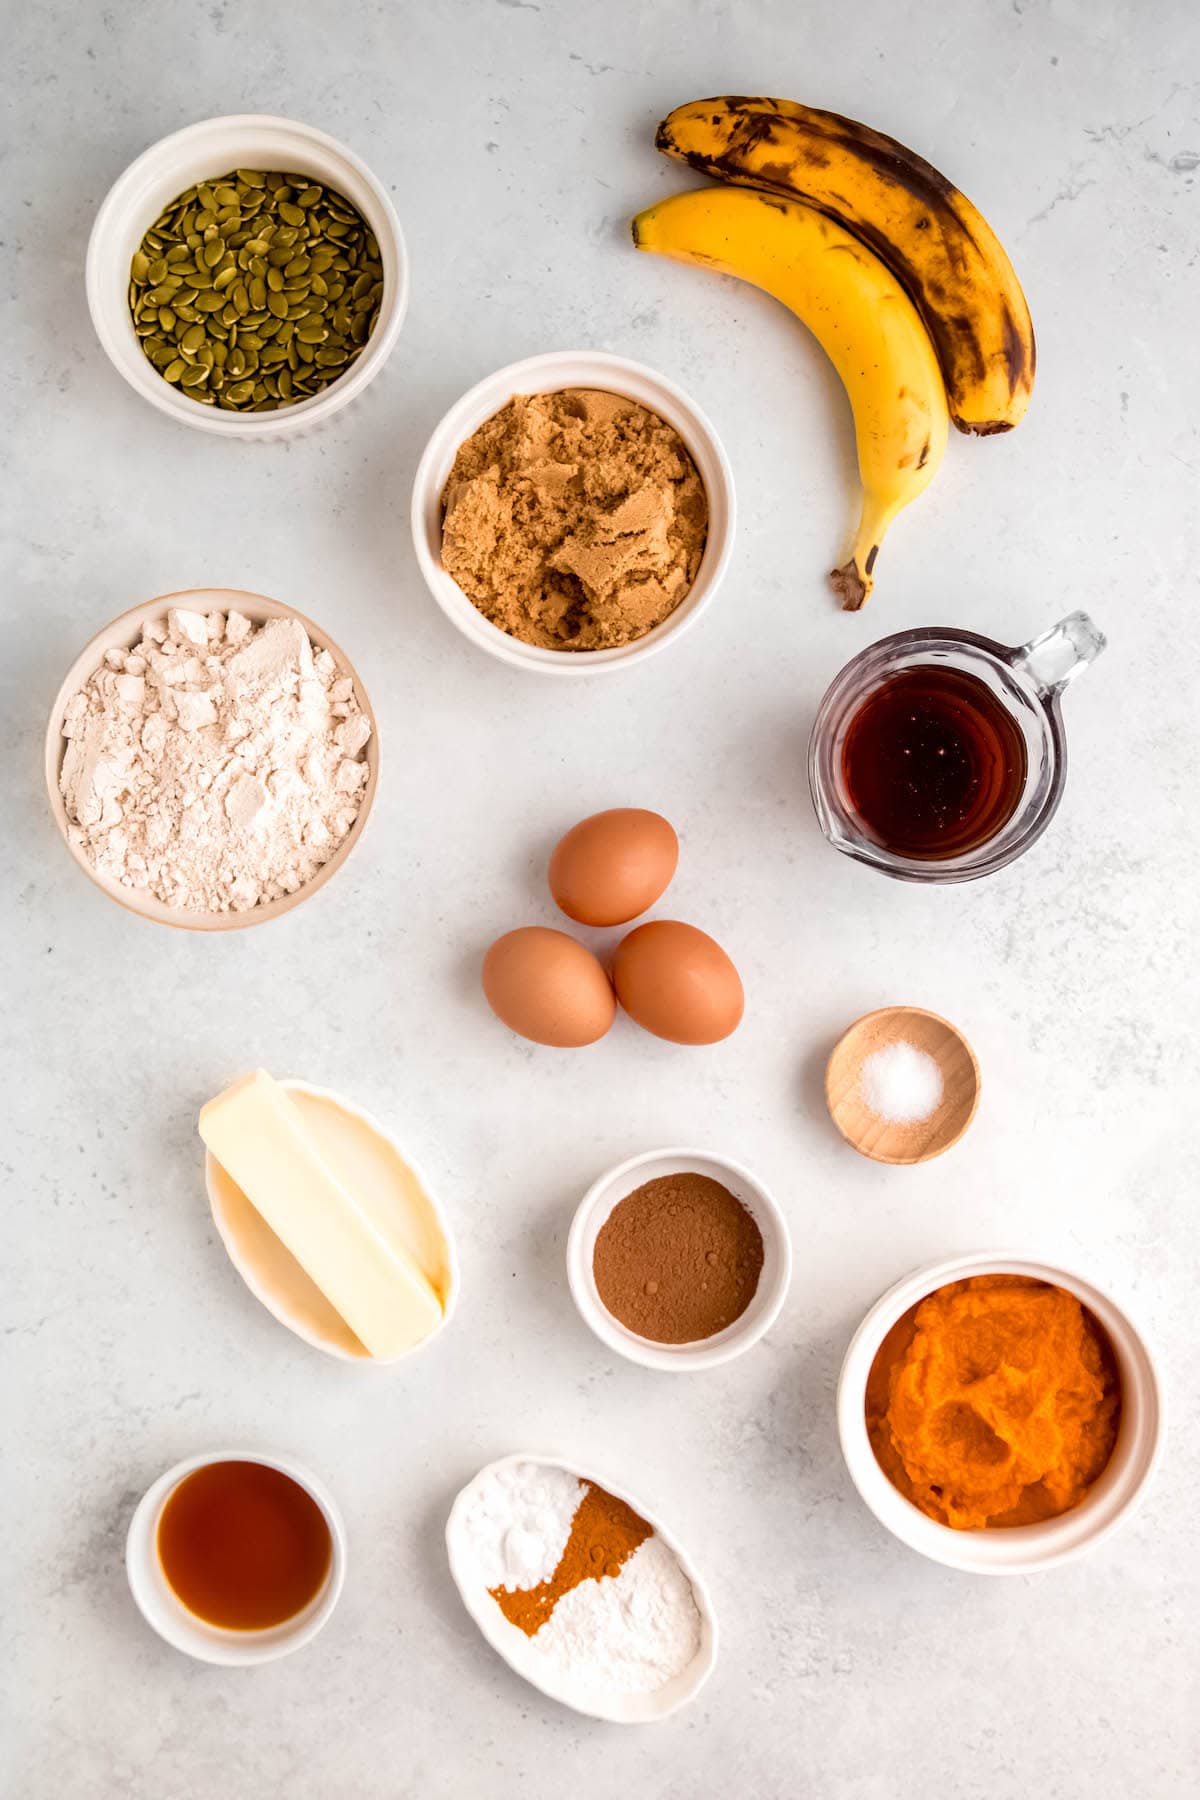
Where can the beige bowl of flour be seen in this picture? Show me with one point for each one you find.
(122, 634)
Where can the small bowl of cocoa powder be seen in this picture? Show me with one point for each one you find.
(679, 1259)
(573, 513)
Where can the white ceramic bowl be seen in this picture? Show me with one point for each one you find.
(197, 153)
(274, 1276)
(547, 374)
(124, 632)
(518, 1650)
(1018, 1549)
(160, 1606)
(769, 1296)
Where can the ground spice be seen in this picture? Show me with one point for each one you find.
(605, 1532)
(994, 1402)
(575, 520)
(678, 1259)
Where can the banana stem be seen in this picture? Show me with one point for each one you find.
(852, 583)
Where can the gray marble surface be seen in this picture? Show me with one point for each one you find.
(517, 140)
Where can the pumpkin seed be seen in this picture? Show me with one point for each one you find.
(255, 290)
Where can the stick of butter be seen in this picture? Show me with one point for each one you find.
(261, 1140)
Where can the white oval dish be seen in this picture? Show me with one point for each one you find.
(124, 632)
(545, 374)
(1016, 1549)
(759, 1316)
(198, 152)
(274, 1276)
(517, 1649)
(161, 1607)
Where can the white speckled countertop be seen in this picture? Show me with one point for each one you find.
(517, 139)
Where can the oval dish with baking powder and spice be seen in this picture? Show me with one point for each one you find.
(514, 1501)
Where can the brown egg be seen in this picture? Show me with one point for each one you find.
(611, 867)
(678, 983)
(548, 988)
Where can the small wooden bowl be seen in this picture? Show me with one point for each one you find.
(885, 1140)
(125, 632)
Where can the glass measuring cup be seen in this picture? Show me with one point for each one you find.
(1026, 681)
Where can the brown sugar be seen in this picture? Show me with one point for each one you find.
(678, 1260)
(605, 1532)
(574, 520)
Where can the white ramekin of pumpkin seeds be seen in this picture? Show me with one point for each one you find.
(247, 276)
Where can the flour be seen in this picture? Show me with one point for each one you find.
(627, 1633)
(216, 765)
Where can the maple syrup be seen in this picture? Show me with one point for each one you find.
(933, 763)
(243, 1546)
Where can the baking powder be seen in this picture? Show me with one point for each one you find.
(216, 765)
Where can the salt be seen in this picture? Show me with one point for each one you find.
(901, 1083)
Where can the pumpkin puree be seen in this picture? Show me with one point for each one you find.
(994, 1401)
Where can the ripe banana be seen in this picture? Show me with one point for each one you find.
(860, 314)
(940, 248)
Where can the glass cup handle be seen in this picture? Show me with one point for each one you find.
(1056, 657)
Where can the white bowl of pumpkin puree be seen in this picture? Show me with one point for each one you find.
(999, 1414)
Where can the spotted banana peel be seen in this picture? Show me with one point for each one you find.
(939, 247)
(862, 317)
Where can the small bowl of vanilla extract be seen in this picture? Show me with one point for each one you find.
(236, 1557)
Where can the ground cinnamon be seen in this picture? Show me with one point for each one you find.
(605, 1532)
(678, 1259)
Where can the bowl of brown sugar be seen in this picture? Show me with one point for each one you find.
(679, 1259)
(573, 513)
